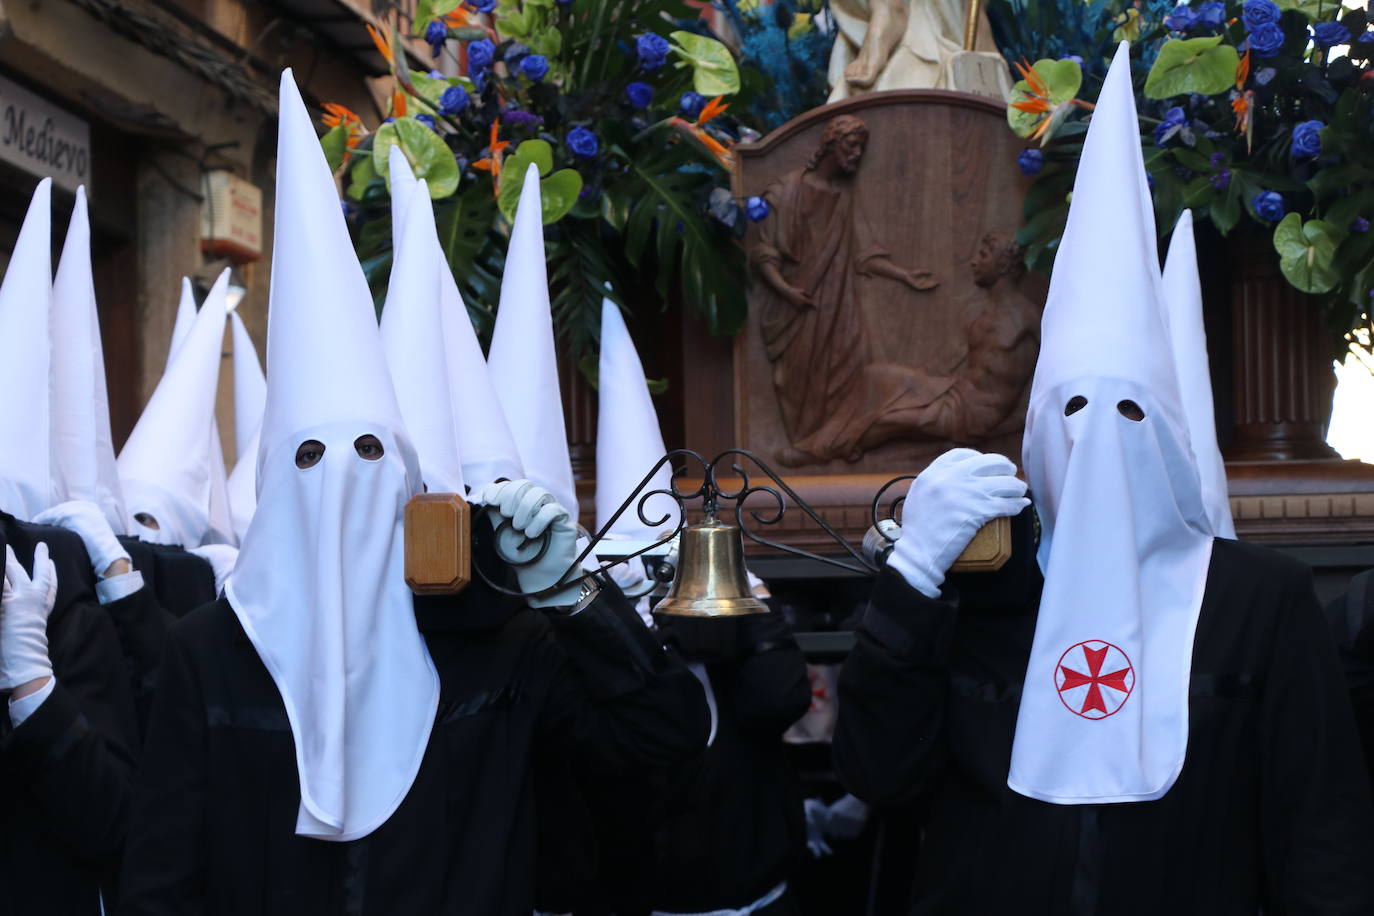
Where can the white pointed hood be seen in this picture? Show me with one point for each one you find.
(25, 301)
(166, 465)
(1125, 543)
(319, 584)
(524, 366)
(485, 444)
(83, 448)
(250, 394)
(1183, 310)
(185, 317)
(628, 440)
(412, 336)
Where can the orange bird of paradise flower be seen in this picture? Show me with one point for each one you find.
(712, 108)
(724, 155)
(492, 163)
(336, 114)
(383, 42)
(1038, 102)
(1242, 106)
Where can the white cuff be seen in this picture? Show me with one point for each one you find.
(116, 587)
(24, 707)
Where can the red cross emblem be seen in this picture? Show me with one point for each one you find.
(1084, 688)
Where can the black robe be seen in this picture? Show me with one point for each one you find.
(1352, 621)
(732, 826)
(65, 772)
(1271, 809)
(180, 581)
(216, 800)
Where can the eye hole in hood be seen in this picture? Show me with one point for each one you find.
(1076, 403)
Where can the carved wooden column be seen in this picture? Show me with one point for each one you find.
(1283, 376)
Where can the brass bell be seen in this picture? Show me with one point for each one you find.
(710, 579)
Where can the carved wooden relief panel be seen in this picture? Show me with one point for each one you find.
(889, 315)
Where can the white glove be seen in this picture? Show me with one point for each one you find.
(90, 524)
(24, 610)
(521, 513)
(959, 493)
(846, 818)
(816, 816)
(221, 558)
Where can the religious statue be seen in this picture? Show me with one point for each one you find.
(914, 44)
(811, 254)
(980, 397)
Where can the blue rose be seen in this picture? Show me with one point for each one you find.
(1359, 224)
(583, 143)
(1212, 15)
(1175, 119)
(639, 95)
(1269, 205)
(427, 120)
(1326, 34)
(534, 66)
(1266, 40)
(483, 6)
(1307, 139)
(480, 54)
(1221, 180)
(436, 33)
(453, 100)
(652, 49)
(1181, 19)
(1030, 161)
(756, 208)
(691, 104)
(1256, 13)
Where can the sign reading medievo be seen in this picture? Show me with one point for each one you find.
(41, 138)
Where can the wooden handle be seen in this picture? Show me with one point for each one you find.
(438, 544)
(989, 550)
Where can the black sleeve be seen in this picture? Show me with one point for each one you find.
(892, 692)
(164, 863)
(616, 694)
(74, 755)
(1316, 811)
(770, 685)
(142, 623)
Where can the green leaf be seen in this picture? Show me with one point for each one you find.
(431, 89)
(547, 41)
(335, 145)
(558, 192)
(1128, 26)
(1306, 251)
(1188, 65)
(1062, 80)
(363, 174)
(1225, 211)
(429, 157)
(713, 66)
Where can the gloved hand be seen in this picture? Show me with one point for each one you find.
(221, 558)
(24, 609)
(959, 493)
(92, 527)
(846, 818)
(816, 815)
(521, 512)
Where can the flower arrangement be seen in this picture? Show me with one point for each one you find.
(1250, 115)
(624, 111)
(784, 45)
